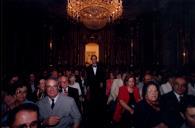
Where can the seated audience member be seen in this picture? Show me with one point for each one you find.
(54, 74)
(109, 82)
(188, 112)
(24, 116)
(147, 78)
(7, 105)
(40, 92)
(57, 110)
(9, 99)
(63, 84)
(147, 112)
(170, 103)
(21, 92)
(32, 85)
(117, 83)
(74, 84)
(14, 79)
(67, 90)
(78, 79)
(127, 100)
(191, 85)
(167, 87)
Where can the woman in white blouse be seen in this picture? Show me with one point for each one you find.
(117, 83)
(74, 84)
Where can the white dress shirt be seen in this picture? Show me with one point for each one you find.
(178, 96)
(55, 99)
(94, 70)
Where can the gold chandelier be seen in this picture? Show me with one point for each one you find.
(94, 14)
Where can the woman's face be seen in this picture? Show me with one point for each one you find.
(21, 94)
(131, 82)
(111, 76)
(152, 93)
(42, 84)
(72, 79)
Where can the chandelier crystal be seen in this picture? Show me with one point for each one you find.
(94, 14)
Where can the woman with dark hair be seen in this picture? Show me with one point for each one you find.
(147, 112)
(127, 99)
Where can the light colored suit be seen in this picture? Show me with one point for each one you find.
(65, 107)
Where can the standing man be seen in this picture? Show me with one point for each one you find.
(57, 110)
(96, 87)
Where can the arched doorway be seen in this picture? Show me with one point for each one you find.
(91, 49)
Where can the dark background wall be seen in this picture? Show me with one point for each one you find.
(160, 31)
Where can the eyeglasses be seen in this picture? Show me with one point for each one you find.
(34, 124)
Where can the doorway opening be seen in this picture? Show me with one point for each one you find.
(91, 49)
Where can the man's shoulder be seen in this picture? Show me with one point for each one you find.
(168, 97)
(42, 101)
(66, 98)
(169, 94)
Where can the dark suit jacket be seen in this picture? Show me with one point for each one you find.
(74, 93)
(171, 110)
(146, 116)
(94, 80)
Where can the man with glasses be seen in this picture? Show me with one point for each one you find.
(57, 110)
(171, 103)
(24, 116)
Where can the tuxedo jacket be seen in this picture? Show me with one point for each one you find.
(94, 80)
(171, 107)
(65, 107)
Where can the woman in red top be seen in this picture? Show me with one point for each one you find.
(127, 98)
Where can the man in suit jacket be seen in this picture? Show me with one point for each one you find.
(95, 79)
(96, 87)
(67, 90)
(57, 110)
(171, 103)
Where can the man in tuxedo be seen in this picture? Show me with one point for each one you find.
(57, 110)
(171, 103)
(96, 88)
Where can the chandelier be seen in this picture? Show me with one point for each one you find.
(94, 14)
